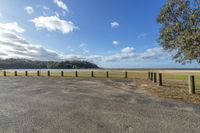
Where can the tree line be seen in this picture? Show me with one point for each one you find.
(30, 64)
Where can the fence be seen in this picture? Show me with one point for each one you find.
(100, 74)
(157, 78)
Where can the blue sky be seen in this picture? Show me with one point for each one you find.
(110, 33)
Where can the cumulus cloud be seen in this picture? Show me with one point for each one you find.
(115, 42)
(114, 24)
(127, 50)
(129, 53)
(125, 53)
(154, 53)
(14, 46)
(54, 23)
(12, 27)
(29, 9)
(61, 4)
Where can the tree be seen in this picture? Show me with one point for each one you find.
(180, 29)
(29, 64)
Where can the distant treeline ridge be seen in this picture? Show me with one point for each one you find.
(29, 64)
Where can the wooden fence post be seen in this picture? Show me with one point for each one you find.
(160, 79)
(154, 77)
(38, 73)
(4, 73)
(126, 75)
(92, 74)
(48, 73)
(151, 76)
(62, 74)
(191, 83)
(107, 74)
(76, 73)
(26, 73)
(15, 73)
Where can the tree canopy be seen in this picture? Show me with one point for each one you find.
(29, 64)
(180, 29)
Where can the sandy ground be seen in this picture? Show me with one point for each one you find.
(69, 105)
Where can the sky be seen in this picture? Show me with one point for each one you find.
(109, 33)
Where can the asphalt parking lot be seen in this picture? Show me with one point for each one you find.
(83, 105)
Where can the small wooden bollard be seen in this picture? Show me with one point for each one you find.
(154, 78)
(76, 74)
(107, 74)
(38, 73)
(4, 73)
(62, 74)
(15, 73)
(48, 73)
(149, 75)
(191, 83)
(92, 74)
(126, 75)
(26, 73)
(160, 79)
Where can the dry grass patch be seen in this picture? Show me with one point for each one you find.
(177, 90)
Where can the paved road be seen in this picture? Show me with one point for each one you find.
(63, 105)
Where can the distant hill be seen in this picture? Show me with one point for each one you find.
(29, 64)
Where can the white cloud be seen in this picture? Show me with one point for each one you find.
(54, 23)
(114, 24)
(29, 9)
(127, 50)
(0, 14)
(154, 53)
(14, 46)
(12, 27)
(125, 53)
(129, 53)
(61, 4)
(115, 42)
